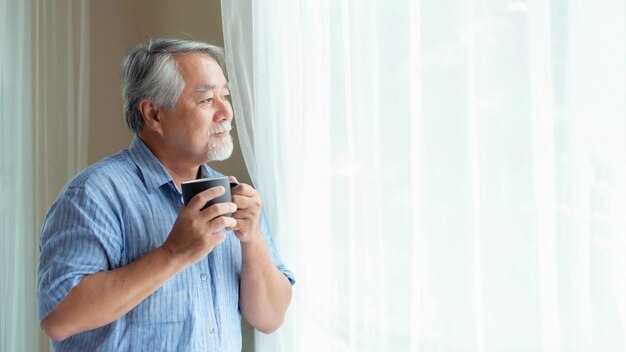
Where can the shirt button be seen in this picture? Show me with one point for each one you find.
(203, 277)
(212, 329)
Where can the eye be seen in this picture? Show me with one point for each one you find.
(207, 101)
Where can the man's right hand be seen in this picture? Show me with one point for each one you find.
(196, 232)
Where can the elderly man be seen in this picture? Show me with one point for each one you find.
(124, 264)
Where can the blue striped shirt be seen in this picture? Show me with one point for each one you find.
(111, 214)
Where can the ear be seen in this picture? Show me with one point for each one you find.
(151, 114)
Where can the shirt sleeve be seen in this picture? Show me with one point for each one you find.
(273, 252)
(79, 237)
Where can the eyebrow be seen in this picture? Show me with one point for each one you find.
(209, 87)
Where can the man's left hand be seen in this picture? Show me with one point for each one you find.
(248, 214)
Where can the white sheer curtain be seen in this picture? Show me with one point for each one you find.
(17, 248)
(61, 44)
(44, 76)
(441, 175)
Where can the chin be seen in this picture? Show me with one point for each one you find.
(219, 157)
(222, 152)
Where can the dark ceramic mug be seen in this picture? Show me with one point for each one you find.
(191, 188)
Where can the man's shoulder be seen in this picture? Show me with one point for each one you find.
(105, 184)
(113, 171)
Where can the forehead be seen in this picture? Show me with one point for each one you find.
(198, 69)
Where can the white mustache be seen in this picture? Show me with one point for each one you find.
(220, 129)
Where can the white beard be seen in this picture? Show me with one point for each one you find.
(221, 149)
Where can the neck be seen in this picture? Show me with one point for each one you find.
(180, 170)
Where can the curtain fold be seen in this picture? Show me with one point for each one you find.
(61, 54)
(18, 325)
(61, 50)
(440, 175)
(44, 95)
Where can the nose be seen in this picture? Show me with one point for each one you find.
(224, 111)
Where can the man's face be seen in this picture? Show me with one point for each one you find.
(198, 128)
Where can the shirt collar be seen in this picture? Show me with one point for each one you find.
(205, 171)
(153, 172)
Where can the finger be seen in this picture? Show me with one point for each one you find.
(246, 202)
(200, 199)
(217, 237)
(233, 179)
(238, 226)
(244, 190)
(222, 222)
(219, 209)
(246, 223)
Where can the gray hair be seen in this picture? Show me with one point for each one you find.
(150, 72)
